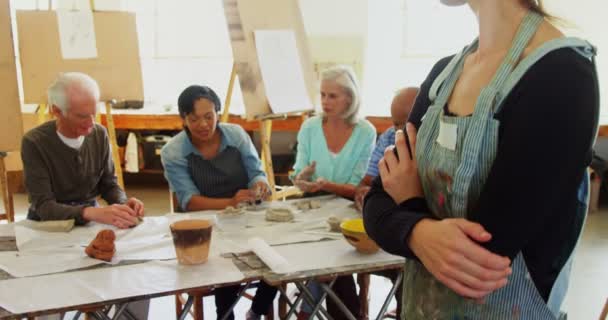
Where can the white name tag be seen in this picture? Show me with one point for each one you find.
(448, 133)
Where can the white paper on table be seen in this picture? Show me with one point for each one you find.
(329, 254)
(35, 263)
(281, 70)
(284, 233)
(151, 239)
(158, 249)
(98, 285)
(77, 34)
(149, 229)
(30, 239)
(271, 257)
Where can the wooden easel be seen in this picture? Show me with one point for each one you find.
(265, 131)
(11, 128)
(9, 211)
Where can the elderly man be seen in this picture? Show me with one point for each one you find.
(67, 162)
(401, 107)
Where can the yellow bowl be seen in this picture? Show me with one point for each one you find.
(354, 232)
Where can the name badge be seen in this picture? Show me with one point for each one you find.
(448, 133)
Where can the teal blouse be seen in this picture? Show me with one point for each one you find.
(346, 167)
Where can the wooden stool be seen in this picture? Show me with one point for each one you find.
(363, 282)
(197, 311)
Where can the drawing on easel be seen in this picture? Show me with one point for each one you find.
(116, 66)
(76, 34)
(271, 57)
(281, 71)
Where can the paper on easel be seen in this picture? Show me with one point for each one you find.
(77, 34)
(282, 71)
(271, 257)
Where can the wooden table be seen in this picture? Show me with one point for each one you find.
(174, 122)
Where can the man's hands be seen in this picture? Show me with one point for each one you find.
(360, 194)
(136, 205)
(119, 215)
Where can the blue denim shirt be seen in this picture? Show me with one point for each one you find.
(173, 156)
(386, 139)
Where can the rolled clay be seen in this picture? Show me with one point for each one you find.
(230, 210)
(279, 214)
(334, 223)
(305, 205)
(49, 226)
(102, 247)
(139, 221)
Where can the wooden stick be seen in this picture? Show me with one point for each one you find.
(226, 112)
(114, 145)
(265, 133)
(4, 188)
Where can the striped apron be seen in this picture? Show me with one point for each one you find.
(453, 177)
(221, 177)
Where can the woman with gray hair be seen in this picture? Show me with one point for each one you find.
(334, 149)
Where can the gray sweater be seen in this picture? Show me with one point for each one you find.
(62, 181)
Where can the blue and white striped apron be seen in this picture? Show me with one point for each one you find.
(452, 179)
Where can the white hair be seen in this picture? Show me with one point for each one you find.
(57, 92)
(345, 77)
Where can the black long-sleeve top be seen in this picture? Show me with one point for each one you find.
(529, 200)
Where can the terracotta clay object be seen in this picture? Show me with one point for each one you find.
(102, 247)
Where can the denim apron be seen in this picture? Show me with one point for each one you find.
(221, 177)
(453, 170)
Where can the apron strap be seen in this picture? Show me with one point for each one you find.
(583, 47)
(434, 92)
(475, 162)
(526, 31)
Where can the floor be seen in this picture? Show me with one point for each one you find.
(586, 297)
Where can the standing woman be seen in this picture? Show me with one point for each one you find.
(490, 206)
(333, 153)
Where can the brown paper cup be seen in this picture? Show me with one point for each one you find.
(191, 239)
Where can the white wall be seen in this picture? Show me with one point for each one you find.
(391, 43)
